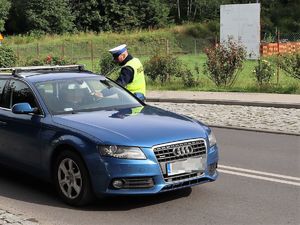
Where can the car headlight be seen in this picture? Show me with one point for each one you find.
(121, 152)
(212, 139)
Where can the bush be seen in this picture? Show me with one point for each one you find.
(165, 67)
(34, 62)
(198, 31)
(49, 60)
(56, 60)
(203, 30)
(290, 64)
(107, 66)
(7, 57)
(263, 72)
(189, 80)
(224, 62)
(161, 67)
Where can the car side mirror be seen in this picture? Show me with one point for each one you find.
(22, 108)
(140, 96)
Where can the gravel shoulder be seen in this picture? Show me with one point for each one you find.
(284, 120)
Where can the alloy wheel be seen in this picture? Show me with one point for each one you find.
(69, 178)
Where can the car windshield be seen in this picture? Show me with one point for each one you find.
(86, 94)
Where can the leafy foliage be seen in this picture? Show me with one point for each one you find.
(49, 16)
(291, 64)
(107, 66)
(263, 72)
(7, 57)
(188, 79)
(87, 15)
(162, 67)
(59, 16)
(49, 60)
(165, 67)
(152, 13)
(204, 30)
(224, 61)
(281, 14)
(119, 15)
(4, 9)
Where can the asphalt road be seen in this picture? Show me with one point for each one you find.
(251, 189)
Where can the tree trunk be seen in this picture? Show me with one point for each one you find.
(195, 13)
(178, 9)
(187, 9)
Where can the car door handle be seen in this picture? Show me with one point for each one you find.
(3, 123)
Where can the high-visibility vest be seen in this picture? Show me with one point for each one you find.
(138, 84)
(136, 110)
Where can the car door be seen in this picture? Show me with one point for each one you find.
(3, 124)
(19, 140)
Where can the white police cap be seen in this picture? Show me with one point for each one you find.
(118, 50)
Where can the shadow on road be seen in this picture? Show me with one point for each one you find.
(22, 187)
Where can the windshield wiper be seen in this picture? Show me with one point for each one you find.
(106, 83)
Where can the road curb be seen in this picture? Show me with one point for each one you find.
(227, 102)
(254, 130)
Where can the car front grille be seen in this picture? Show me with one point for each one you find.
(166, 153)
(176, 151)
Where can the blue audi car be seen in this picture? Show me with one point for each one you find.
(90, 137)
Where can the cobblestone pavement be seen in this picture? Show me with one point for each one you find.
(15, 219)
(262, 118)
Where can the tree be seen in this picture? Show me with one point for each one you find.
(16, 22)
(4, 9)
(87, 15)
(58, 16)
(152, 13)
(195, 10)
(49, 16)
(205, 10)
(285, 15)
(118, 15)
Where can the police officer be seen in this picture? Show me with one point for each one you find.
(132, 72)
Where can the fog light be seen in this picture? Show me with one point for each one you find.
(117, 184)
(212, 169)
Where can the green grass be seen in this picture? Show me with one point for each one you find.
(245, 80)
(81, 47)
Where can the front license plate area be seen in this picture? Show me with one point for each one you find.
(187, 166)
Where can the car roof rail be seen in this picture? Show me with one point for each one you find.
(15, 71)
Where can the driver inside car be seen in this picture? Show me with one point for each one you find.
(72, 98)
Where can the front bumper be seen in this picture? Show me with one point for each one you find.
(106, 169)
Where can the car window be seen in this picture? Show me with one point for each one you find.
(2, 85)
(86, 94)
(20, 92)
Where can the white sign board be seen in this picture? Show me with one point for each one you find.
(242, 23)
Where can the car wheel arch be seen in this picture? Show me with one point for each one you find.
(68, 152)
(58, 150)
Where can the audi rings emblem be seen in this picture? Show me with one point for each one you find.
(183, 150)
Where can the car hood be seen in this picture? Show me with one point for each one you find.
(144, 126)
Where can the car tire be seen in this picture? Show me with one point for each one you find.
(71, 179)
